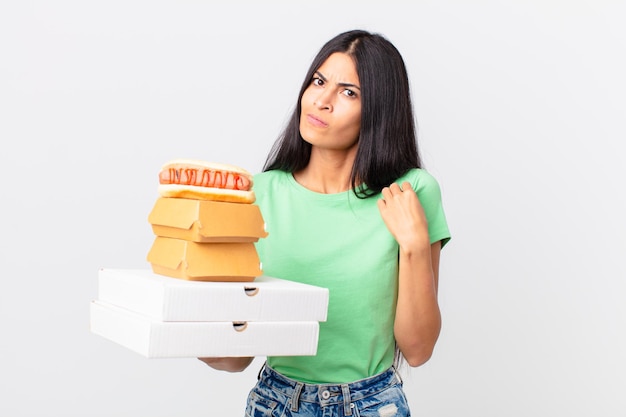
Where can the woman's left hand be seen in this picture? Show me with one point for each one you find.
(404, 216)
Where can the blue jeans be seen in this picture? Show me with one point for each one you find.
(275, 395)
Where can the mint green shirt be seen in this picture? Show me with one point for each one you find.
(340, 242)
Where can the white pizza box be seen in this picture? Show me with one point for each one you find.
(171, 299)
(157, 339)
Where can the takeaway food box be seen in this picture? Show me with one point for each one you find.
(202, 240)
(160, 316)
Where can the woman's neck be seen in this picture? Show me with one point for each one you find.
(327, 172)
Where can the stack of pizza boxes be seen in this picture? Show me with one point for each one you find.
(205, 293)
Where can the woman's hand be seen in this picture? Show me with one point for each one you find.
(236, 364)
(404, 216)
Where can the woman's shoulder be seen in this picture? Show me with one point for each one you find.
(429, 193)
(269, 179)
(265, 176)
(420, 179)
(424, 183)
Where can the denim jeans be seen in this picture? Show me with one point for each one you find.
(275, 395)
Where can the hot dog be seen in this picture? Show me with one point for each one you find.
(202, 180)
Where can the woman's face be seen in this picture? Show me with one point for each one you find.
(331, 105)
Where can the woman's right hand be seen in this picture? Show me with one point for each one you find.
(235, 364)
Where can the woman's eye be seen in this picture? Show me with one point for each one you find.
(349, 93)
(317, 81)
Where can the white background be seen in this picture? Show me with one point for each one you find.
(521, 107)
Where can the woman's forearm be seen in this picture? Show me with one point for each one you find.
(418, 319)
(236, 364)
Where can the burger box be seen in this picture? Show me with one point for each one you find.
(171, 299)
(206, 221)
(163, 317)
(184, 259)
(164, 339)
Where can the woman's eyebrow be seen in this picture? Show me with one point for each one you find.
(319, 74)
(349, 85)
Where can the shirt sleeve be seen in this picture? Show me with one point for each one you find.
(429, 193)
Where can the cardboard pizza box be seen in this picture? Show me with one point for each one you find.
(170, 299)
(157, 339)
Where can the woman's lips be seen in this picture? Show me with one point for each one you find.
(315, 121)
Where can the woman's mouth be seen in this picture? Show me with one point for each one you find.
(315, 121)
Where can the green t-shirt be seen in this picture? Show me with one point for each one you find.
(340, 242)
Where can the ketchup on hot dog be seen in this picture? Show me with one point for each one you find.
(190, 178)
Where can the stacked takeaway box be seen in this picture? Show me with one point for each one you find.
(164, 317)
(205, 294)
(205, 240)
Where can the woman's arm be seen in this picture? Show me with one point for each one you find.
(418, 319)
(237, 364)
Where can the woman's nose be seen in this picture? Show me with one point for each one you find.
(323, 101)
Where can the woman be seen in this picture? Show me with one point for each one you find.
(349, 208)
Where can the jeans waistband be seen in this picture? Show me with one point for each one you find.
(328, 394)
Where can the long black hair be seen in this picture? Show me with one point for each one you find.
(387, 144)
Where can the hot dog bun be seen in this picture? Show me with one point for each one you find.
(203, 180)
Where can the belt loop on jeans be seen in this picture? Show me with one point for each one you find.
(295, 397)
(397, 373)
(347, 409)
